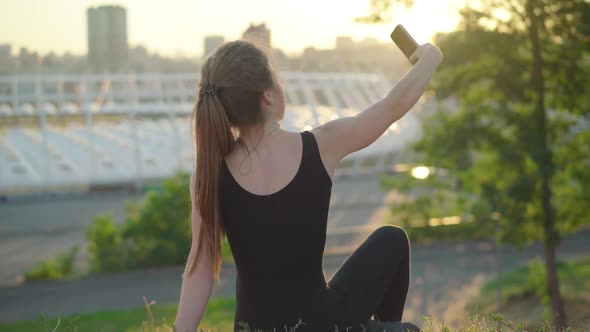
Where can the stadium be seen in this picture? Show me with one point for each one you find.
(64, 133)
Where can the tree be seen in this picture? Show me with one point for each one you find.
(158, 232)
(517, 144)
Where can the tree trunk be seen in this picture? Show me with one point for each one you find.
(559, 319)
(544, 160)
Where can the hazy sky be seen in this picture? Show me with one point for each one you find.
(171, 26)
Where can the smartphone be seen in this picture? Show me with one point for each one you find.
(404, 41)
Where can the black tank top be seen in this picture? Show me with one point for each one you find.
(277, 242)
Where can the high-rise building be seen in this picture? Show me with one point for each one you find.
(5, 51)
(211, 43)
(367, 55)
(107, 38)
(258, 34)
(344, 42)
(6, 62)
(28, 61)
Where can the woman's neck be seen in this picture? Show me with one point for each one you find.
(254, 135)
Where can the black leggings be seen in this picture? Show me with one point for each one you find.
(374, 279)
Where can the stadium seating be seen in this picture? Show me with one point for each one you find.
(132, 132)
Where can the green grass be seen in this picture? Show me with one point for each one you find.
(61, 267)
(523, 293)
(574, 277)
(218, 317)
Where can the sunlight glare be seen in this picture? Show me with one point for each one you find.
(420, 172)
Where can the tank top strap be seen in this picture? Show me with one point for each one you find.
(313, 160)
(310, 146)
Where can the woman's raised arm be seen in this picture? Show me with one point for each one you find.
(342, 136)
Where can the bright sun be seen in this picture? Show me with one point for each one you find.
(427, 17)
(423, 20)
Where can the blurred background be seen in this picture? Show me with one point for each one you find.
(489, 173)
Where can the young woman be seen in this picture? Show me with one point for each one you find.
(268, 190)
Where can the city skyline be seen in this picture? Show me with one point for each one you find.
(178, 36)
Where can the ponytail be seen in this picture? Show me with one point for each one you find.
(232, 80)
(214, 140)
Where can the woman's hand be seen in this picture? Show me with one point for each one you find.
(428, 52)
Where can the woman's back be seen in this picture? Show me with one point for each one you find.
(270, 166)
(277, 239)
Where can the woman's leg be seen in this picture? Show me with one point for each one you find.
(375, 278)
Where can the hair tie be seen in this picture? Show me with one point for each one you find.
(209, 89)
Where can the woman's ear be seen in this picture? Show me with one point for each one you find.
(267, 98)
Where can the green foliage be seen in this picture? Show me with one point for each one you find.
(502, 324)
(105, 245)
(158, 234)
(537, 281)
(524, 281)
(530, 281)
(517, 142)
(156, 231)
(491, 144)
(424, 198)
(54, 268)
(437, 198)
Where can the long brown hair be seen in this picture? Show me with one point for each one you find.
(232, 80)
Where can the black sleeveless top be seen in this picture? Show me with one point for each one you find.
(277, 242)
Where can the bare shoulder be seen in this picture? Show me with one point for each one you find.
(328, 136)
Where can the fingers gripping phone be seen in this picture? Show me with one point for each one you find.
(404, 41)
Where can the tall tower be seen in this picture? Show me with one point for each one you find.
(211, 43)
(259, 34)
(107, 38)
(6, 62)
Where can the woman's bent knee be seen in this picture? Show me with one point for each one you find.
(395, 234)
